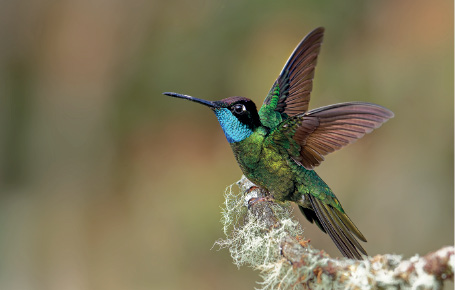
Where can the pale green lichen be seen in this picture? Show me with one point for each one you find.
(249, 240)
(253, 242)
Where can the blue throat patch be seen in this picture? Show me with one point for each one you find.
(234, 130)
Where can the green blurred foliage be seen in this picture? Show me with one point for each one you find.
(107, 184)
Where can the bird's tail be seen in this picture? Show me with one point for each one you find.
(338, 226)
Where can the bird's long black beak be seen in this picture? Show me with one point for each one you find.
(210, 104)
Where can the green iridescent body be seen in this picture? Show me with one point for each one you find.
(278, 147)
(268, 165)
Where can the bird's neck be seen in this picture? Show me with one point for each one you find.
(234, 130)
(248, 151)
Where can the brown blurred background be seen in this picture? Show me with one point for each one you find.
(107, 184)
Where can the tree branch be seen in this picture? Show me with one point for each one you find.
(263, 234)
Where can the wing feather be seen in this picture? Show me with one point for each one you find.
(319, 132)
(327, 129)
(290, 94)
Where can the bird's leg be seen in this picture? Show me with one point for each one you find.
(249, 190)
(255, 200)
(254, 194)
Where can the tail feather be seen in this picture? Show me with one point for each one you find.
(339, 228)
(311, 217)
(350, 225)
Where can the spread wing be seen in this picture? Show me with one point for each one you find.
(309, 137)
(290, 94)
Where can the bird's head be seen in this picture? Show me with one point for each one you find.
(238, 116)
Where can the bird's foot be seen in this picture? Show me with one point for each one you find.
(255, 200)
(249, 190)
(255, 194)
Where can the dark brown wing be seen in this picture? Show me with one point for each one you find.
(290, 94)
(327, 129)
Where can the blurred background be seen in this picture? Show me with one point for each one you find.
(107, 184)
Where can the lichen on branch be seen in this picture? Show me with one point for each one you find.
(263, 234)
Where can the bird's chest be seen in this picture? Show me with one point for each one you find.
(265, 166)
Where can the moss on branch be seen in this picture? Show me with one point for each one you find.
(264, 235)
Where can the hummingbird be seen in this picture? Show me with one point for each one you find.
(278, 147)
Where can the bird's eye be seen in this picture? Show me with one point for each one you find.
(239, 109)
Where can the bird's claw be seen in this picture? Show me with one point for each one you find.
(249, 190)
(252, 196)
(255, 200)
